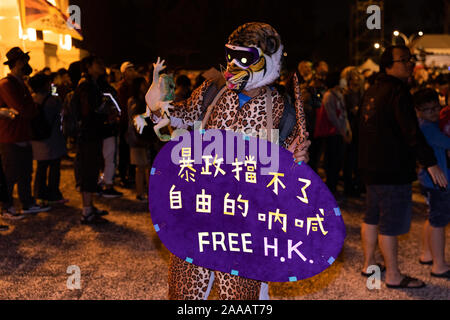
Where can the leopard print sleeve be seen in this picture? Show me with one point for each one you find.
(190, 110)
(300, 126)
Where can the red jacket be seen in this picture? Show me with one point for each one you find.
(124, 92)
(15, 94)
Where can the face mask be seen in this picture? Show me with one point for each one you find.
(27, 70)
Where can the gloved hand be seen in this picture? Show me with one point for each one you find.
(139, 122)
(154, 94)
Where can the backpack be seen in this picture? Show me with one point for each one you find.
(70, 116)
(41, 129)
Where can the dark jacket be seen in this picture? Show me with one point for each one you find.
(88, 98)
(389, 133)
(15, 94)
(124, 92)
(55, 146)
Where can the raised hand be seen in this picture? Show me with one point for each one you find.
(154, 93)
(158, 66)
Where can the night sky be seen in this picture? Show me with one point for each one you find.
(192, 33)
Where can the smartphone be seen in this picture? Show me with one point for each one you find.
(54, 92)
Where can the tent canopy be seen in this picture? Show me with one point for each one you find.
(433, 43)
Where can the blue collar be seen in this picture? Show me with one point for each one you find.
(243, 99)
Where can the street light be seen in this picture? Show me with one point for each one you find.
(376, 45)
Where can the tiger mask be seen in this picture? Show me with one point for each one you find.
(253, 54)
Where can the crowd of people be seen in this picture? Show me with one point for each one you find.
(49, 115)
(360, 123)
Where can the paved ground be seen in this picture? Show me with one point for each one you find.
(125, 260)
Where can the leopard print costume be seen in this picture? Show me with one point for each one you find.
(187, 281)
(228, 116)
(190, 282)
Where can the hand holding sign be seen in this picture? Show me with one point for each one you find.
(300, 151)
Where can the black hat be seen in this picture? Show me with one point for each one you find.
(16, 54)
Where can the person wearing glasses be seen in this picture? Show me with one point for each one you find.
(426, 102)
(390, 142)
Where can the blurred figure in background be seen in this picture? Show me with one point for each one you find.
(124, 92)
(426, 103)
(321, 73)
(333, 127)
(182, 88)
(5, 113)
(304, 68)
(110, 132)
(15, 134)
(88, 100)
(63, 83)
(140, 144)
(352, 83)
(48, 152)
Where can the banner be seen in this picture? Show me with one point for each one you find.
(238, 204)
(42, 15)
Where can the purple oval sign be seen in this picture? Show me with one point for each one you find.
(238, 204)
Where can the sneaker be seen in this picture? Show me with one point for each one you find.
(111, 193)
(92, 218)
(35, 209)
(11, 214)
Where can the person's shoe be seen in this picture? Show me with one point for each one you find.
(445, 275)
(407, 283)
(92, 218)
(35, 209)
(3, 227)
(11, 214)
(126, 184)
(111, 193)
(428, 263)
(42, 202)
(142, 199)
(99, 191)
(60, 201)
(98, 212)
(368, 274)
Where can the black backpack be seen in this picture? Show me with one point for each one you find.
(41, 129)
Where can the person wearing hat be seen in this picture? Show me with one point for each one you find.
(15, 134)
(5, 113)
(125, 92)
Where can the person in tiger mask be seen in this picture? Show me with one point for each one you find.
(242, 100)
